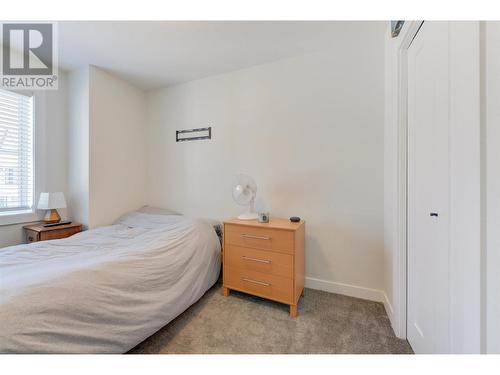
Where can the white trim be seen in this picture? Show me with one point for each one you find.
(39, 163)
(40, 145)
(346, 289)
(402, 170)
(396, 118)
(17, 217)
(490, 170)
(389, 309)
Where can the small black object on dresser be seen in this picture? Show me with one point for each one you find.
(295, 219)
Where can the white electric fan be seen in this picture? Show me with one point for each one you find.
(244, 193)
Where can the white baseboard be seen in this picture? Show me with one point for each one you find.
(353, 291)
(389, 310)
(346, 289)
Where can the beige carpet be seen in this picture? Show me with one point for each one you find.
(327, 323)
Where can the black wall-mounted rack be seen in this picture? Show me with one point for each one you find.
(193, 134)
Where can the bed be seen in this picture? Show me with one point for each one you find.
(107, 289)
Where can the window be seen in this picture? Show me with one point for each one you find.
(16, 151)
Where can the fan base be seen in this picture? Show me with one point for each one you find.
(248, 216)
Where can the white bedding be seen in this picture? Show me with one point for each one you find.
(107, 289)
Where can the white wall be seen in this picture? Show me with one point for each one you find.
(51, 118)
(107, 147)
(117, 147)
(78, 146)
(491, 182)
(309, 130)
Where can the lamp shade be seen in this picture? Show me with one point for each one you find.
(49, 201)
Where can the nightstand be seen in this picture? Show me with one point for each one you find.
(37, 232)
(265, 259)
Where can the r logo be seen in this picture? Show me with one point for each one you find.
(33, 54)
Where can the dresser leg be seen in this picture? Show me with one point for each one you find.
(225, 291)
(303, 292)
(293, 311)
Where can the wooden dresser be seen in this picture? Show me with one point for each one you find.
(37, 232)
(265, 259)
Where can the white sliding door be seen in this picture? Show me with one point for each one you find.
(428, 190)
(443, 294)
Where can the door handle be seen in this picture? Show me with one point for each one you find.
(267, 261)
(255, 237)
(434, 214)
(255, 281)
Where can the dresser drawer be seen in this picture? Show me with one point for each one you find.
(58, 234)
(263, 261)
(32, 236)
(260, 284)
(260, 238)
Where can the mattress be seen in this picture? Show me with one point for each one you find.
(107, 289)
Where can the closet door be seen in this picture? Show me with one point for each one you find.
(428, 290)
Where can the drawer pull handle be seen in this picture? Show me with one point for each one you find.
(255, 237)
(267, 261)
(255, 281)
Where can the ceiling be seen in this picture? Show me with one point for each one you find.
(152, 54)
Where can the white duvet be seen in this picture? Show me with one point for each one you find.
(107, 289)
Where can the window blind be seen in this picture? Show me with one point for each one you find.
(16, 151)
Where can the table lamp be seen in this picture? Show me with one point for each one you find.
(50, 202)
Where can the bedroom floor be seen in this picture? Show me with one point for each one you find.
(327, 323)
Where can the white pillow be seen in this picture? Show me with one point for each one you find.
(217, 225)
(148, 221)
(157, 211)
